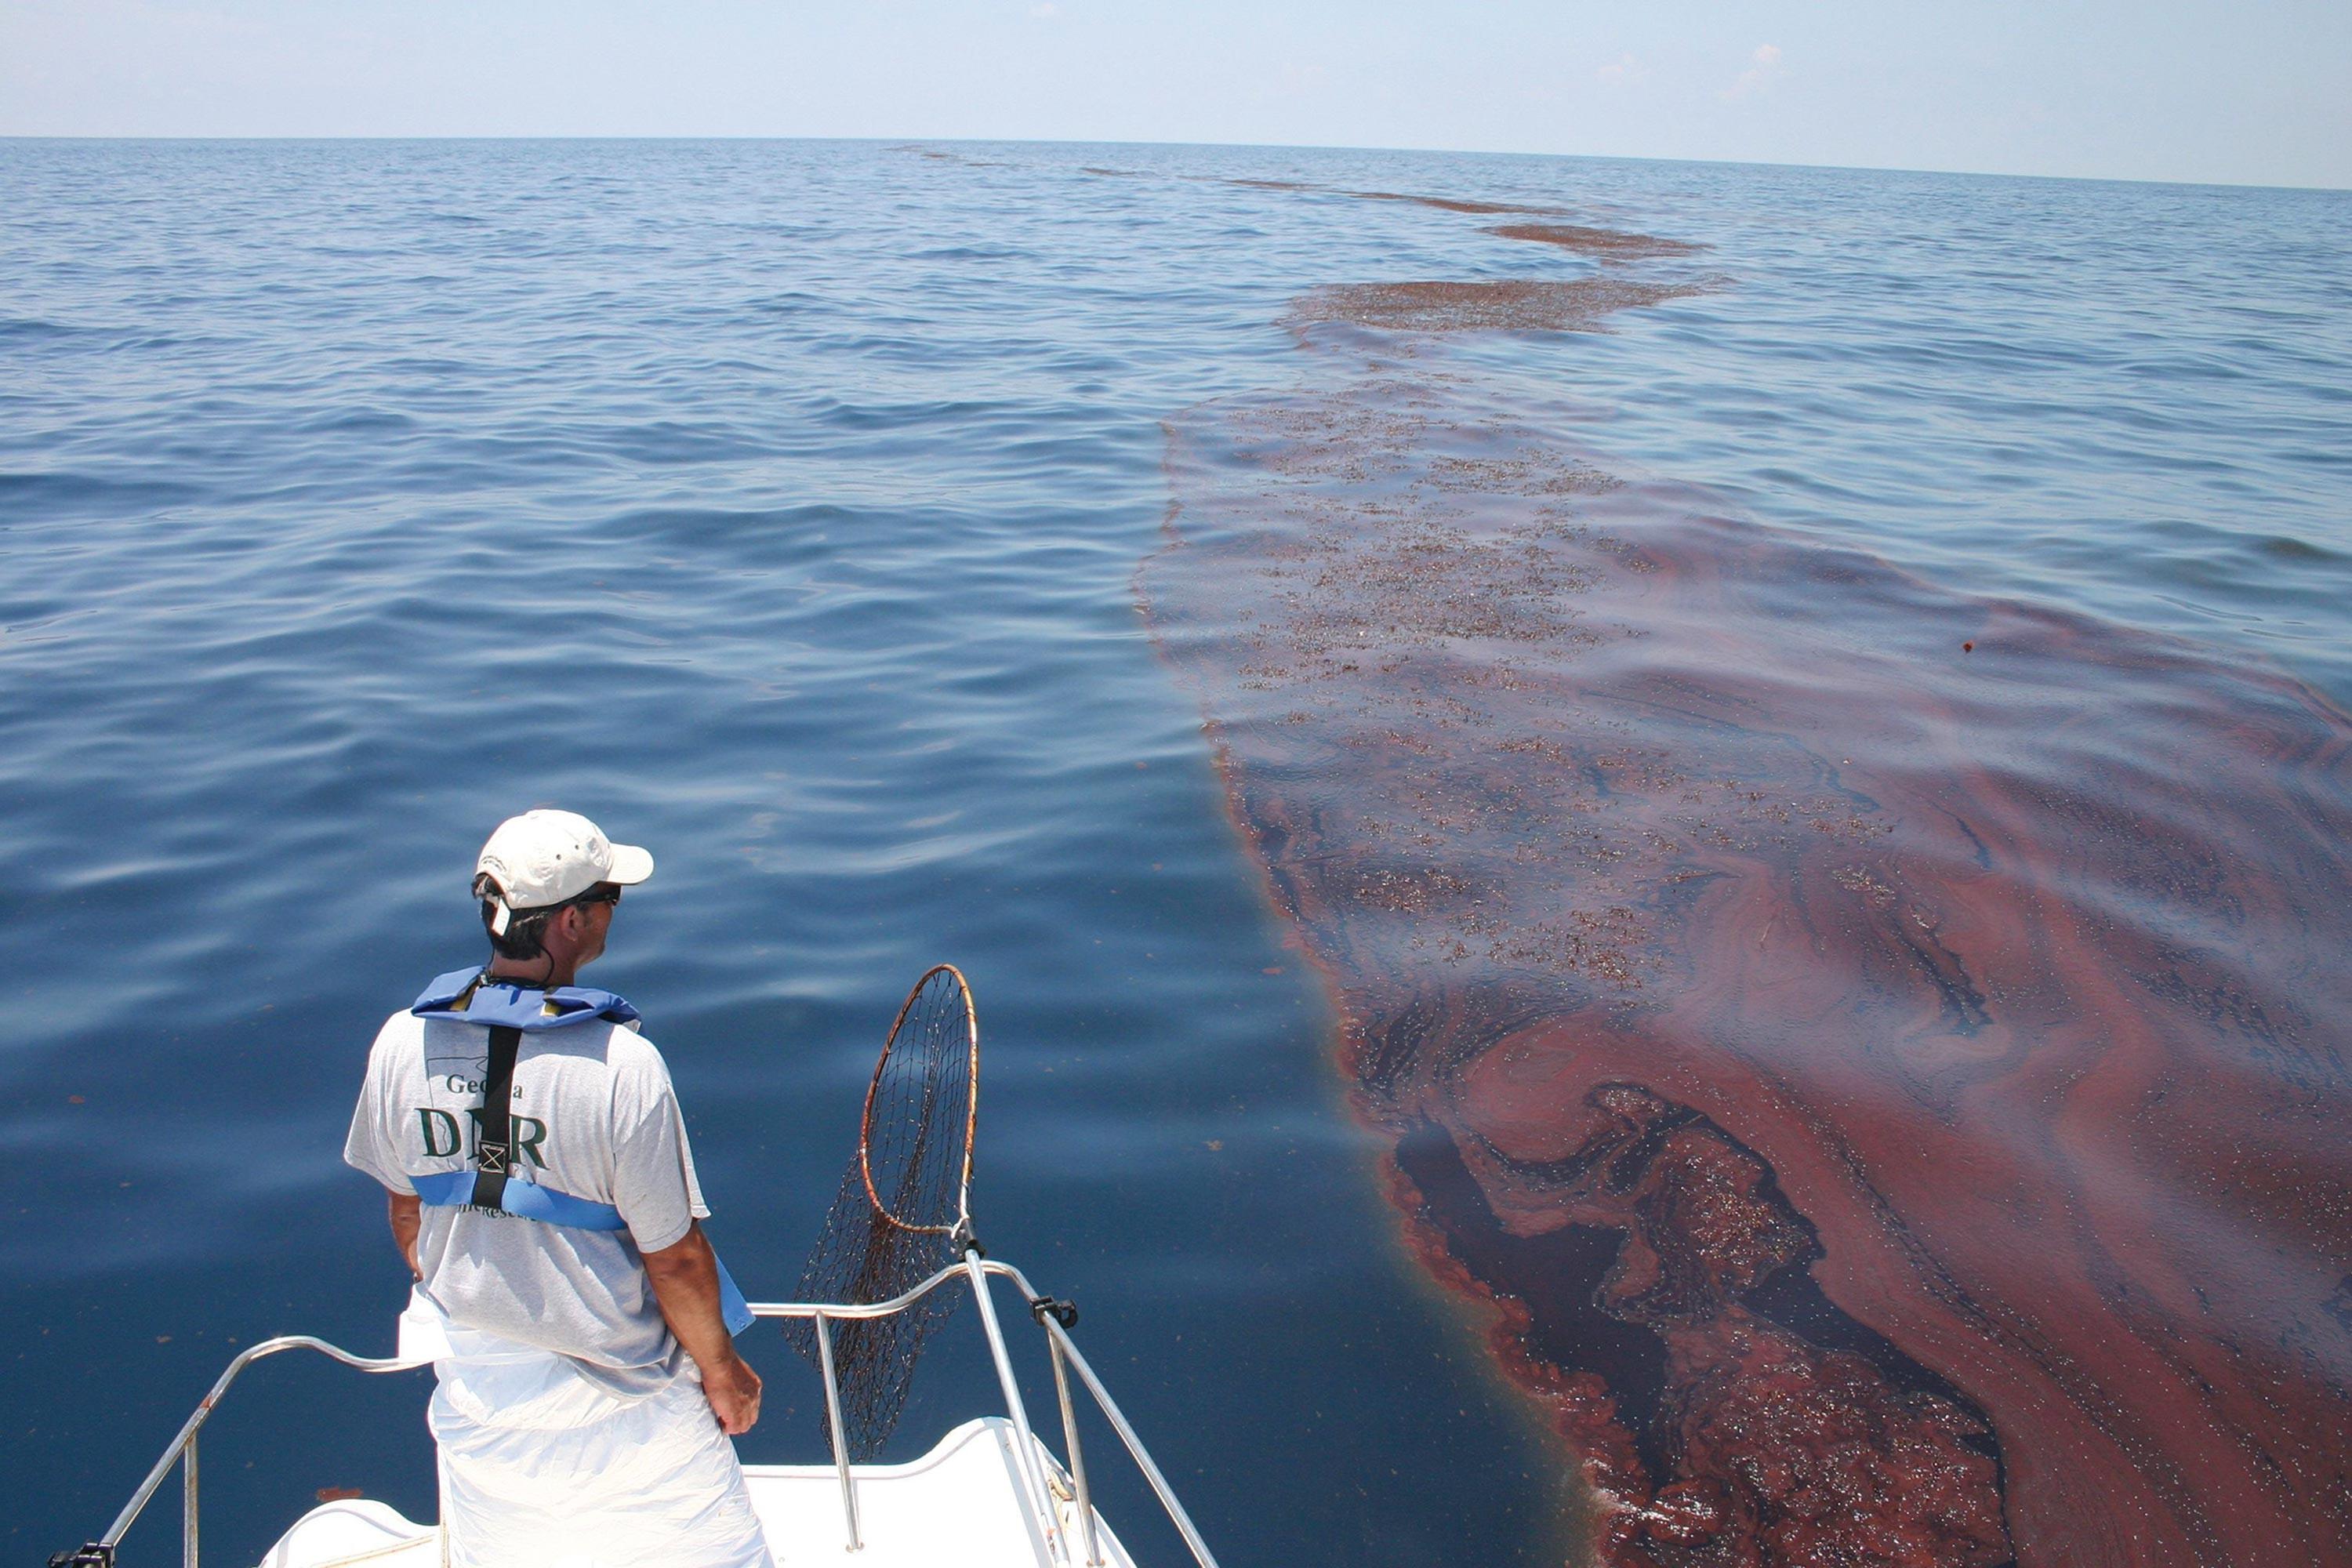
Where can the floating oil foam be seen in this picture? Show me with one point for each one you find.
(1508, 304)
(1611, 243)
(1877, 1052)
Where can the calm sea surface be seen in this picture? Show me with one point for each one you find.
(779, 506)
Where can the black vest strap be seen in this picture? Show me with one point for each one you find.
(494, 1149)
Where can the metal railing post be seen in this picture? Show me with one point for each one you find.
(188, 1504)
(1077, 1459)
(1176, 1514)
(1109, 1407)
(1033, 1479)
(833, 1425)
(187, 1436)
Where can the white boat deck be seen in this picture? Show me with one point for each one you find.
(960, 1503)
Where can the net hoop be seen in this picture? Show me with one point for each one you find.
(963, 1223)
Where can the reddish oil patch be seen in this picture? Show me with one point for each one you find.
(1615, 244)
(1442, 203)
(1510, 304)
(1892, 1105)
(1611, 244)
(1453, 204)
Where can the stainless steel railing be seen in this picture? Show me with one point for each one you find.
(1065, 1359)
(183, 1449)
(1053, 1549)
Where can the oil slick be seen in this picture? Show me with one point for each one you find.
(1609, 242)
(1886, 1104)
(1508, 304)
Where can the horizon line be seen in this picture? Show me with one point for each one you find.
(1260, 146)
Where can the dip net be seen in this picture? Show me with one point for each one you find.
(903, 1211)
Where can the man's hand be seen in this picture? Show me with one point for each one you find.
(685, 1283)
(403, 1210)
(733, 1390)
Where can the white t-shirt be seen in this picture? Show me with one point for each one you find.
(593, 1116)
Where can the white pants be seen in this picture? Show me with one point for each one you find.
(541, 1468)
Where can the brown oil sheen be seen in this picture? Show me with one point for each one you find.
(1887, 1101)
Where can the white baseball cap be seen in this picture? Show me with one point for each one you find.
(544, 858)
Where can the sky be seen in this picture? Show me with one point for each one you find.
(2248, 92)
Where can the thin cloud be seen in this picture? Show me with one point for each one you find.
(1757, 76)
(1623, 70)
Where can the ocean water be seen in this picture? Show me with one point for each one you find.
(782, 506)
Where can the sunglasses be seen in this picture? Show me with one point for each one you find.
(601, 893)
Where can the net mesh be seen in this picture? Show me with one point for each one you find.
(901, 1209)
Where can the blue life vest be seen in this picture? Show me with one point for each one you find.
(471, 997)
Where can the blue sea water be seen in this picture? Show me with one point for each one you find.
(779, 505)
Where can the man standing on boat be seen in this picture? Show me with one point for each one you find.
(544, 1195)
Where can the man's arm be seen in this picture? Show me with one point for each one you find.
(404, 1211)
(685, 1283)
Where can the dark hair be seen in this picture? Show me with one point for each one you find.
(526, 928)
